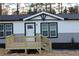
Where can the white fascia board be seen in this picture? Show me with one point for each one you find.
(32, 16)
(54, 15)
(42, 13)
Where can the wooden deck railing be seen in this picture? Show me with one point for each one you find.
(46, 43)
(21, 42)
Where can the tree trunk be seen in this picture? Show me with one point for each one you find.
(46, 6)
(36, 7)
(0, 9)
(17, 12)
(61, 7)
(50, 8)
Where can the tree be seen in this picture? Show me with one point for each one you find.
(59, 8)
(14, 13)
(0, 8)
(46, 7)
(75, 9)
(36, 5)
(32, 5)
(65, 11)
(17, 11)
(50, 8)
(5, 11)
(23, 12)
(41, 8)
(53, 11)
(34, 10)
(71, 10)
(29, 11)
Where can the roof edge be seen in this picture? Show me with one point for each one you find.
(43, 13)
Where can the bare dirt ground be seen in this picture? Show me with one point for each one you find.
(54, 52)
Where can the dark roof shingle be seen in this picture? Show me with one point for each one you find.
(20, 17)
(69, 16)
(13, 17)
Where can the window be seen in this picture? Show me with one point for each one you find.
(53, 30)
(1, 30)
(49, 29)
(30, 27)
(8, 29)
(45, 29)
(5, 29)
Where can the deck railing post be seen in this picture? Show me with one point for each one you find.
(38, 37)
(50, 46)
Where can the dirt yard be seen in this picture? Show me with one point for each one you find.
(54, 52)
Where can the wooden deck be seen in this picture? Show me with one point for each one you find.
(20, 42)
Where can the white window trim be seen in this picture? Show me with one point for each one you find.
(4, 31)
(49, 31)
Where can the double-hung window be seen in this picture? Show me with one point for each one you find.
(8, 29)
(53, 29)
(45, 29)
(1, 30)
(5, 30)
(49, 29)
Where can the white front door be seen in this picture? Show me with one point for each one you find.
(30, 31)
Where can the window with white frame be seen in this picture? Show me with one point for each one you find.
(1, 30)
(5, 30)
(45, 29)
(8, 29)
(53, 29)
(49, 29)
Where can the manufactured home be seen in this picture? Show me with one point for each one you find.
(60, 29)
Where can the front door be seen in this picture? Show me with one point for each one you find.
(30, 31)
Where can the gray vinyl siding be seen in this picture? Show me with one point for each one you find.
(66, 38)
(2, 41)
